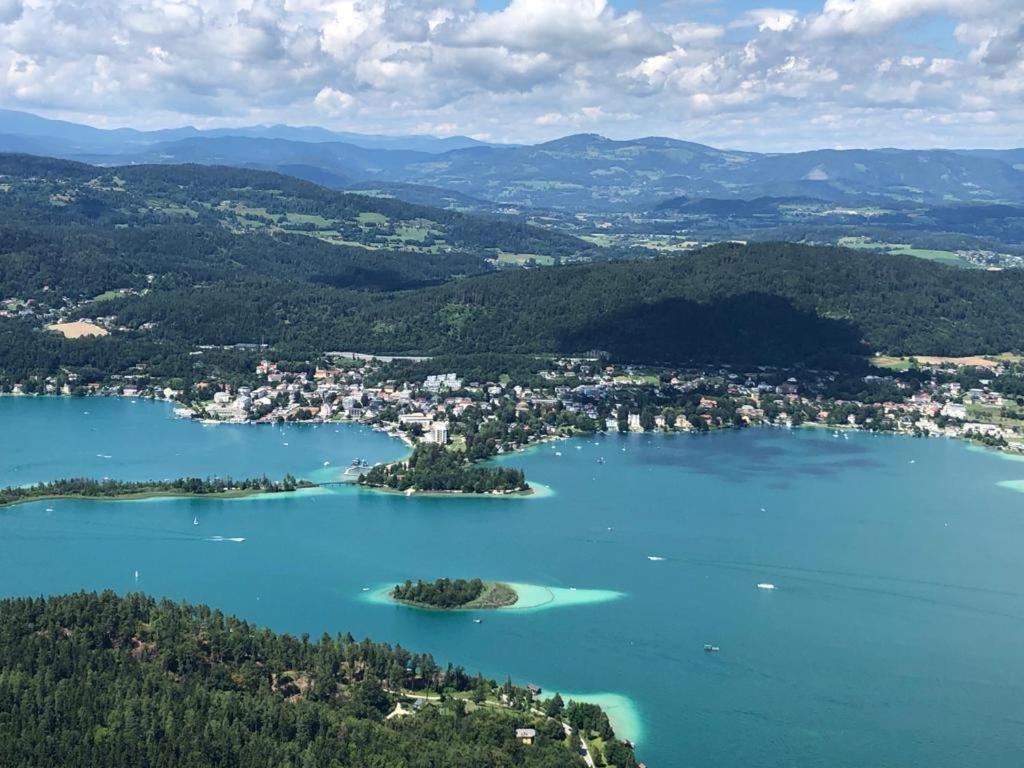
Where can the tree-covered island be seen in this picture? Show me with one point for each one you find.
(86, 488)
(434, 469)
(452, 594)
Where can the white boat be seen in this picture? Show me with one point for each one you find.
(478, 621)
(655, 558)
(327, 463)
(765, 585)
(711, 648)
(195, 521)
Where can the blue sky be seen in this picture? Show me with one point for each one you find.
(793, 74)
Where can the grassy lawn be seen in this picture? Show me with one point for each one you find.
(371, 218)
(992, 415)
(419, 234)
(946, 257)
(307, 218)
(638, 378)
(904, 249)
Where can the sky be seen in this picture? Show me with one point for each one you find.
(802, 74)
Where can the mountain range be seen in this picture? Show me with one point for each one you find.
(583, 172)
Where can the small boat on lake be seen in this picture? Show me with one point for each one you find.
(766, 585)
(711, 648)
(478, 621)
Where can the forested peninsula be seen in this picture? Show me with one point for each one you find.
(433, 469)
(452, 594)
(101, 681)
(87, 488)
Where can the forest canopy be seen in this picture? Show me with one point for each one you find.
(101, 681)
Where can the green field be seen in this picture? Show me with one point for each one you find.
(520, 259)
(904, 249)
(367, 217)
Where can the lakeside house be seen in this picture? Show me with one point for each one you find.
(526, 735)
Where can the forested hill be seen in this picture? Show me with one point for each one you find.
(98, 681)
(775, 304)
(59, 199)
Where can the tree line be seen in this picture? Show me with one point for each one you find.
(442, 593)
(186, 486)
(433, 468)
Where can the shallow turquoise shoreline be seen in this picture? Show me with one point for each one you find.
(622, 711)
(532, 597)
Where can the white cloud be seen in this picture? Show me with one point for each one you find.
(764, 78)
(768, 20)
(333, 102)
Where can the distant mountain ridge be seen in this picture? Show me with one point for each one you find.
(582, 172)
(88, 139)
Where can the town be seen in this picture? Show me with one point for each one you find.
(978, 399)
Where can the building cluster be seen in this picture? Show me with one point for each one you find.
(609, 398)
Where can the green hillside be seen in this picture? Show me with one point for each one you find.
(101, 681)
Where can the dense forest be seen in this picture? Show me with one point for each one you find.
(761, 304)
(767, 303)
(84, 487)
(433, 468)
(442, 593)
(192, 267)
(101, 681)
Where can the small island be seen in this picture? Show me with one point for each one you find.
(433, 469)
(86, 488)
(456, 594)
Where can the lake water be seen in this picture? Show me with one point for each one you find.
(893, 638)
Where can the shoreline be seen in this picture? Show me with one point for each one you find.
(238, 494)
(383, 489)
(531, 598)
(141, 496)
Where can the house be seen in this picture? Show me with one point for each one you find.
(526, 735)
(634, 423)
(535, 690)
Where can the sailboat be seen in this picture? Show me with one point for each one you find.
(195, 521)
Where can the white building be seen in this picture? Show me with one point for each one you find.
(438, 433)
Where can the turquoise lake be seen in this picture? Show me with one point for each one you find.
(893, 638)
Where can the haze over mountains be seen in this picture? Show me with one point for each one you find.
(583, 172)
